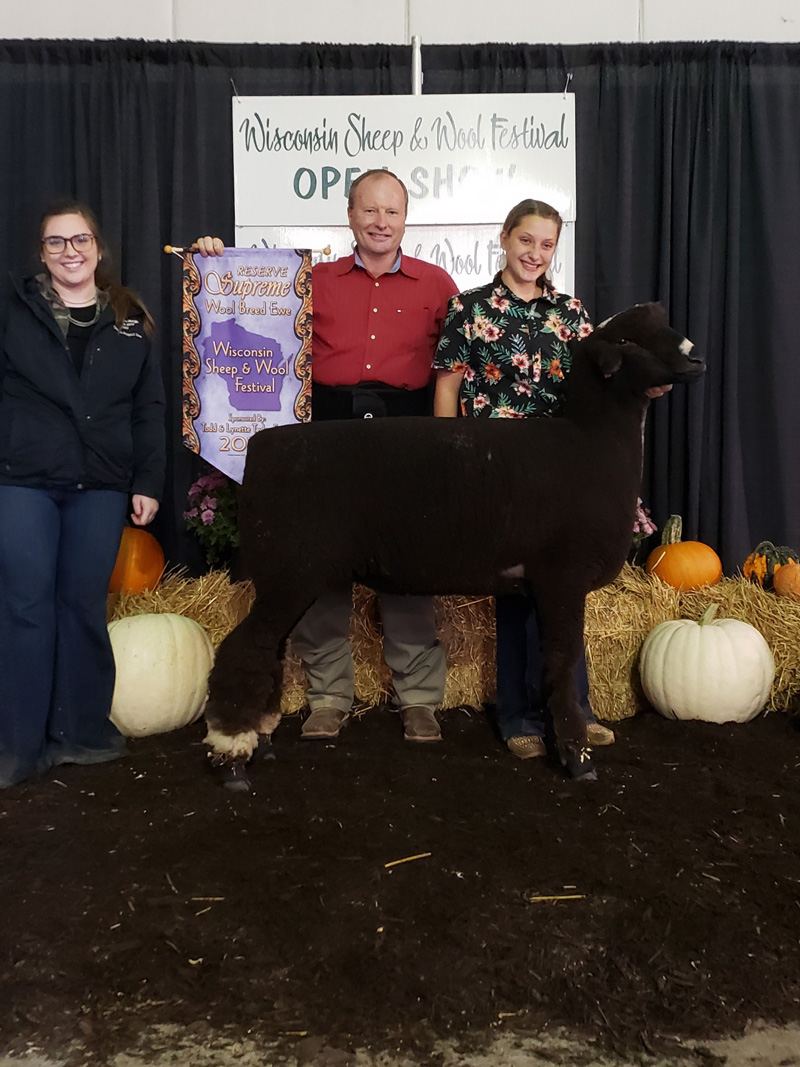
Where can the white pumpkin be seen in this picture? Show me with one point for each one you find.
(720, 670)
(163, 663)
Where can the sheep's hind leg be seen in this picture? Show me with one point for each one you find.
(561, 615)
(245, 690)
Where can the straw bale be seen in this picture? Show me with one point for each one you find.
(213, 601)
(777, 618)
(465, 627)
(618, 618)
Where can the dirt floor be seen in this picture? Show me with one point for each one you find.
(141, 899)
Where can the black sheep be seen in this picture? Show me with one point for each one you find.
(448, 506)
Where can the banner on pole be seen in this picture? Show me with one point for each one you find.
(246, 349)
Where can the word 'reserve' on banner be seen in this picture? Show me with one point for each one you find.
(466, 160)
(246, 349)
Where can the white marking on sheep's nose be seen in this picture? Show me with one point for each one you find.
(686, 346)
(517, 571)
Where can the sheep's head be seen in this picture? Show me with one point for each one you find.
(641, 340)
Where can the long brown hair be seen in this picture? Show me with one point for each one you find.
(125, 303)
(532, 207)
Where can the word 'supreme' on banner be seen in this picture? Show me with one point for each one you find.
(246, 349)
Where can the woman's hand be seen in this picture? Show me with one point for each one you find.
(144, 509)
(658, 390)
(210, 246)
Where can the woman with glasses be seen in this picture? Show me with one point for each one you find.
(81, 433)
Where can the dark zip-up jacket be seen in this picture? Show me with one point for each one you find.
(104, 430)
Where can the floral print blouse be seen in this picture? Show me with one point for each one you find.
(514, 353)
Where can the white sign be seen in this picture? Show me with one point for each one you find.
(465, 158)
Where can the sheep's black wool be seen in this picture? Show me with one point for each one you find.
(449, 506)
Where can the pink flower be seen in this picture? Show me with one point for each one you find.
(207, 517)
(643, 525)
(520, 361)
(191, 514)
(479, 324)
(491, 333)
(208, 502)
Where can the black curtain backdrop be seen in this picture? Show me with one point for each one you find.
(688, 167)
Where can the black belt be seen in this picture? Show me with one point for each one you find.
(367, 400)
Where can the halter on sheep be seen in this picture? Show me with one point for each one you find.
(448, 506)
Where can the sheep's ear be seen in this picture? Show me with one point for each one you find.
(605, 355)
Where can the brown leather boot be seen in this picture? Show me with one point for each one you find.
(420, 723)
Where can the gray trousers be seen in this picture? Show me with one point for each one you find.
(410, 648)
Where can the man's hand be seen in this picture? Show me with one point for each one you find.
(210, 246)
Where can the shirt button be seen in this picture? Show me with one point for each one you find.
(369, 366)
(377, 284)
(374, 309)
(88, 417)
(372, 337)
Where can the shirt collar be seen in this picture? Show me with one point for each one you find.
(548, 292)
(412, 268)
(392, 270)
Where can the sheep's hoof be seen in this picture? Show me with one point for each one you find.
(264, 749)
(232, 776)
(577, 763)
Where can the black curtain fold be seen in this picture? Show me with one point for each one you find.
(688, 177)
(688, 168)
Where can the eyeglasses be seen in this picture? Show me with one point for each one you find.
(80, 242)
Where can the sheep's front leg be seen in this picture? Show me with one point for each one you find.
(561, 614)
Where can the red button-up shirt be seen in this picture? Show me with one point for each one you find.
(378, 329)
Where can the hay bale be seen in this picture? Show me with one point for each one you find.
(465, 627)
(777, 618)
(213, 601)
(618, 618)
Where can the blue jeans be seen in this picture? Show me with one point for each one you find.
(521, 709)
(57, 550)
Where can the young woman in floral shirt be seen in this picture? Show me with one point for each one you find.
(504, 354)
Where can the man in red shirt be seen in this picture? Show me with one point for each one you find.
(377, 318)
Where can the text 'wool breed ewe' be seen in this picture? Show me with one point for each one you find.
(386, 501)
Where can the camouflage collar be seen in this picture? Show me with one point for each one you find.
(57, 305)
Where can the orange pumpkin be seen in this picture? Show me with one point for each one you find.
(683, 564)
(765, 561)
(140, 562)
(786, 580)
